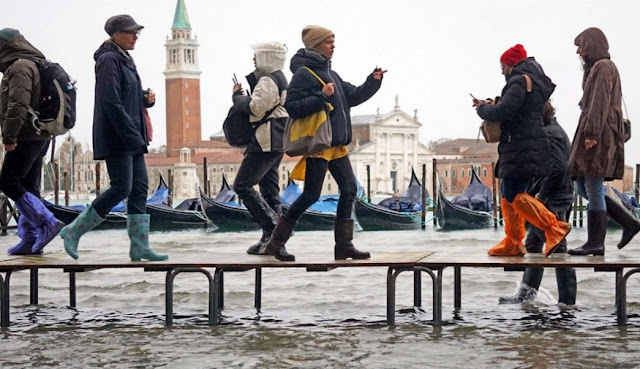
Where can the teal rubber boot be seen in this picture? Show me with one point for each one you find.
(138, 229)
(86, 221)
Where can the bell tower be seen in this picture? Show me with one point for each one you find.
(182, 82)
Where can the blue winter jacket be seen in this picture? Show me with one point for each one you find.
(305, 97)
(118, 116)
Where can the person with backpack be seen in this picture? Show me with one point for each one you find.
(306, 95)
(120, 138)
(25, 145)
(523, 151)
(264, 152)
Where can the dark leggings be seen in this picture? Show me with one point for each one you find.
(129, 180)
(316, 170)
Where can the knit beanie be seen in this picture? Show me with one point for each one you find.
(314, 35)
(8, 34)
(512, 56)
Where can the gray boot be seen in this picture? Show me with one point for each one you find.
(567, 285)
(596, 232)
(531, 279)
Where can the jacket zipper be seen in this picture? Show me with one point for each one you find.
(344, 115)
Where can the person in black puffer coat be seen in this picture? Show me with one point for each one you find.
(305, 96)
(523, 151)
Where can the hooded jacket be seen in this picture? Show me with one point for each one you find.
(601, 118)
(118, 115)
(19, 90)
(265, 96)
(524, 147)
(305, 97)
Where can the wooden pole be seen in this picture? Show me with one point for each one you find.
(436, 194)
(56, 182)
(97, 179)
(637, 183)
(66, 188)
(206, 188)
(424, 195)
(494, 193)
(170, 197)
(369, 183)
(575, 205)
(581, 210)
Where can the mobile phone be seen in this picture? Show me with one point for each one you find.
(235, 79)
(473, 97)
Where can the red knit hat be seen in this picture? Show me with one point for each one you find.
(513, 55)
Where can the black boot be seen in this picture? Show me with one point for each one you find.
(344, 248)
(259, 248)
(531, 279)
(619, 214)
(279, 237)
(596, 231)
(567, 285)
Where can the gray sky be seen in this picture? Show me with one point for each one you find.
(437, 52)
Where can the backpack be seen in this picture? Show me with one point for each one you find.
(238, 131)
(56, 111)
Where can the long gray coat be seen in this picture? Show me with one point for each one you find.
(601, 118)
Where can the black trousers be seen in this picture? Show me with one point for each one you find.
(129, 180)
(535, 236)
(315, 173)
(22, 169)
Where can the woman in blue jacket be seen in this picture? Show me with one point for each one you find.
(305, 96)
(120, 138)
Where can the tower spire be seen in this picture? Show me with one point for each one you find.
(181, 18)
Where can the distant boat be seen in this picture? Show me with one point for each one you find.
(320, 216)
(464, 214)
(225, 213)
(395, 213)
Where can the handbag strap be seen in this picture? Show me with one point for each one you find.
(528, 82)
(624, 105)
(315, 75)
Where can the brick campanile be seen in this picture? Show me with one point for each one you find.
(182, 77)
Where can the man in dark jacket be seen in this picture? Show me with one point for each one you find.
(120, 137)
(24, 146)
(264, 153)
(556, 192)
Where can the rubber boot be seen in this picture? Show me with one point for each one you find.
(138, 230)
(567, 285)
(619, 214)
(596, 232)
(86, 221)
(27, 235)
(344, 248)
(531, 279)
(47, 226)
(534, 212)
(260, 247)
(279, 237)
(514, 230)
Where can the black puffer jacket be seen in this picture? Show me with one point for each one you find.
(305, 97)
(524, 146)
(556, 189)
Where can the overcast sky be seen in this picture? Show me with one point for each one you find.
(437, 52)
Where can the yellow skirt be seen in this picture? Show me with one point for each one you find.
(329, 154)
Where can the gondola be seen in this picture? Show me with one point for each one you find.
(393, 214)
(456, 216)
(225, 213)
(68, 214)
(320, 216)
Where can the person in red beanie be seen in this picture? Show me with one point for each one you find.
(523, 152)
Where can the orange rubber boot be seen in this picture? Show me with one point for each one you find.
(534, 212)
(514, 230)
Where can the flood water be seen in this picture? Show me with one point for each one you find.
(330, 319)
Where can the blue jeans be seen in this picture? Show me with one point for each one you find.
(128, 175)
(316, 170)
(591, 189)
(22, 169)
(510, 188)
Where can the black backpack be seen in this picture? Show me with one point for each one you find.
(56, 111)
(238, 131)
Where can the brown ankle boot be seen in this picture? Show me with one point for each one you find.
(279, 237)
(344, 249)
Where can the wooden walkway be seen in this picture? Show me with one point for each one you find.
(396, 263)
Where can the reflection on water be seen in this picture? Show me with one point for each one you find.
(314, 319)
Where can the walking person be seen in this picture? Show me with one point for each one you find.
(263, 154)
(597, 153)
(120, 139)
(306, 96)
(25, 147)
(523, 151)
(555, 191)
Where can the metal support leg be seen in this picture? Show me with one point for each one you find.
(258, 287)
(33, 291)
(219, 276)
(417, 288)
(392, 275)
(72, 289)
(4, 299)
(621, 294)
(213, 293)
(457, 288)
